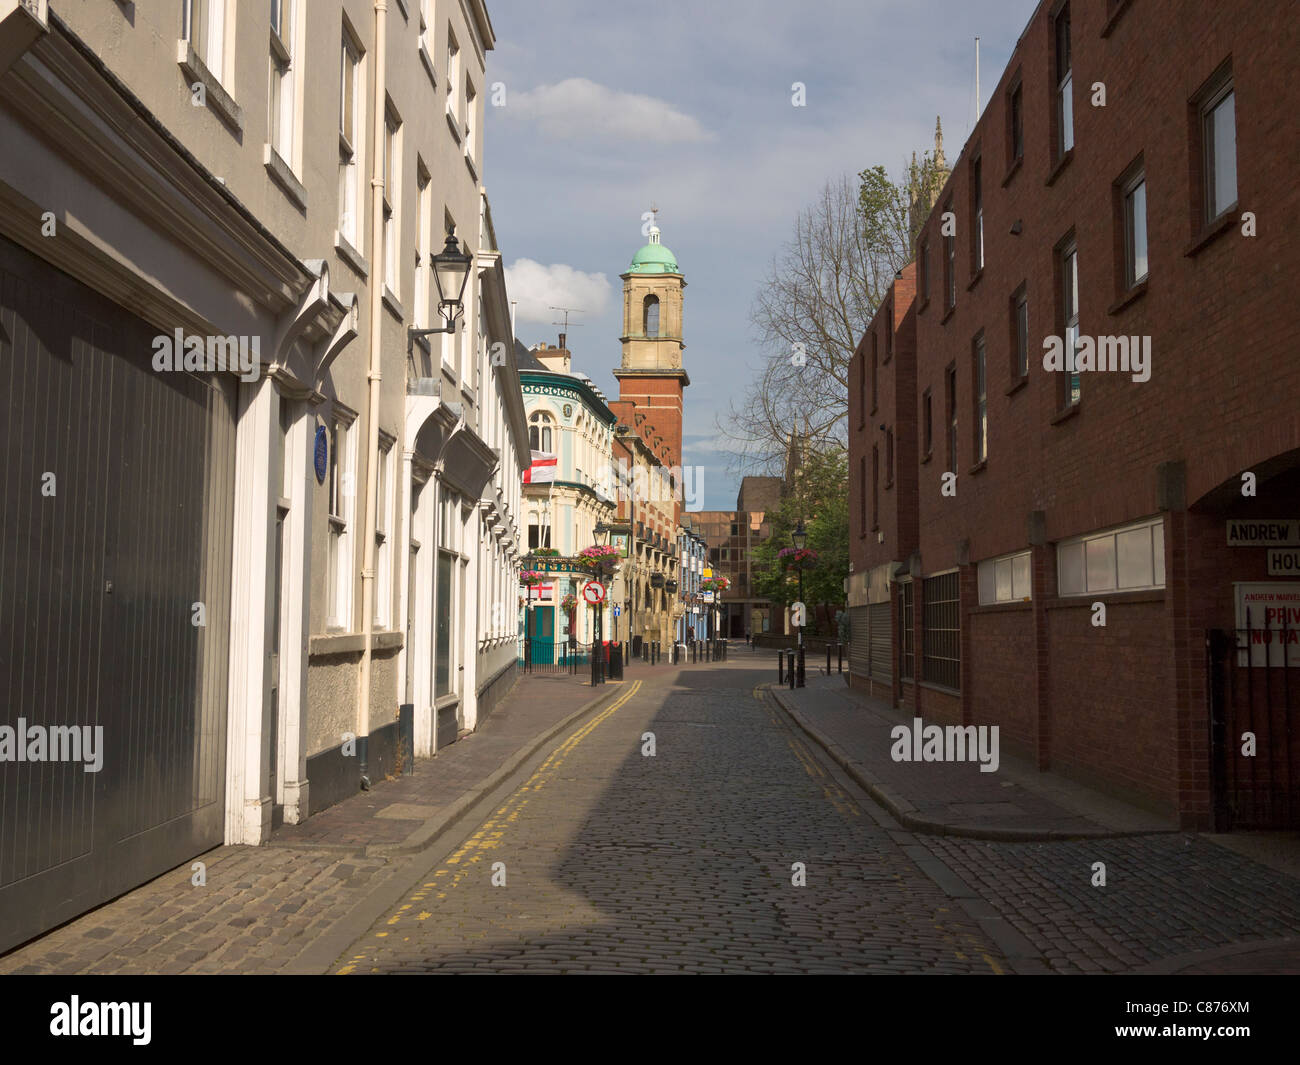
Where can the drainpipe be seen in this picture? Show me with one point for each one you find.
(375, 376)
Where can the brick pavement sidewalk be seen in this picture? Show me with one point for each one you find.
(1017, 802)
(291, 906)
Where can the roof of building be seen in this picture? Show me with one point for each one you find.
(654, 258)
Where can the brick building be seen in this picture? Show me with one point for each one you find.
(1083, 494)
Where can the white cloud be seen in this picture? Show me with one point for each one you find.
(538, 287)
(578, 108)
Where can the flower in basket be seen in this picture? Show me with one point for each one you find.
(544, 552)
(715, 584)
(530, 577)
(797, 556)
(598, 557)
(568, 602)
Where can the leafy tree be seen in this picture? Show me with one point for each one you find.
(818, 494)
(821, 291)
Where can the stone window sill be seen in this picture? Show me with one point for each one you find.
(393, 304)
(350, 255)
(283, 176)
(1013, 170)
(220, 102)
(1017, 385)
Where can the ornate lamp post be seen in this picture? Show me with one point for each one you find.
(450, 272)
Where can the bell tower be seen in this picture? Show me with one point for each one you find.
(651, 375)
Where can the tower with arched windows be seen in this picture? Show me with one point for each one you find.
(651, 374)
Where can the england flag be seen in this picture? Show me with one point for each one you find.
(542, 471)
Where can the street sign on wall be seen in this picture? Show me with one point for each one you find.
(1284, 562)
(1274, 609)
(1268, 532)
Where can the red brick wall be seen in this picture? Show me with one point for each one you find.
(1110, 690)
(1125, 704)
(1002, 646)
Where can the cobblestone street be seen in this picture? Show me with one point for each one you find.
(612, 860)
(618, 861)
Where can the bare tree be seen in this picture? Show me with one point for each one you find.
(820, 294)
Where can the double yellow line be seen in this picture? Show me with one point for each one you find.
(490, 832)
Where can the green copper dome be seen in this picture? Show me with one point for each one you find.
(654, 258)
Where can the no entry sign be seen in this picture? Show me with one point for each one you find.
(593, 592)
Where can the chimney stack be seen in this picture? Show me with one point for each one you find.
(562, 339)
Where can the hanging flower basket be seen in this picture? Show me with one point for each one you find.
(598, 557)
(530, 577)
(568, 602)
(544, 552)
(797, 556)
(715, 584)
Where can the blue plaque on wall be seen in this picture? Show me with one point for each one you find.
(322, 451)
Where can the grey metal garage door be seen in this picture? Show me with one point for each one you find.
(118, 490)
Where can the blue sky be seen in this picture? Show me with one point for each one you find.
(610, 107)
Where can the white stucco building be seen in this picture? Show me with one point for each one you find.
(257, 547)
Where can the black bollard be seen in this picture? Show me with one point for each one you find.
(802, 675)
(790, 669)
(780, 668)
(828, 659)
(840, 648)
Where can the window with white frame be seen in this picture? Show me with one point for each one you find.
(1219, 137)
(280, 97)
(351, 109)
(1005, 580)
(424, 41)
(342, 495)
(1069, 392)
(471, 123)
(1064, 83)
(453, 76)
(423, 253)
(392, 225)
(1127, 559)
(383, 536)
(1135, 230)
(540, 428)
(205, 29)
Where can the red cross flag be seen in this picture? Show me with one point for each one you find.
(542, 471)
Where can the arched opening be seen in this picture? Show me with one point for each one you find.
(650, 316)
(539, 432)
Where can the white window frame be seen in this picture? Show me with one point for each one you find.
(351, 152)
(1216, 205)
(423, 249)
(209, 43)
(341, 504)
(281, 114)
(1135, 223)
(471, 122)
(1075, 553)
(453, 75)
(1006, 579)
(1064, 82)
(383, 539)
(1070, 319)
(392, 167)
